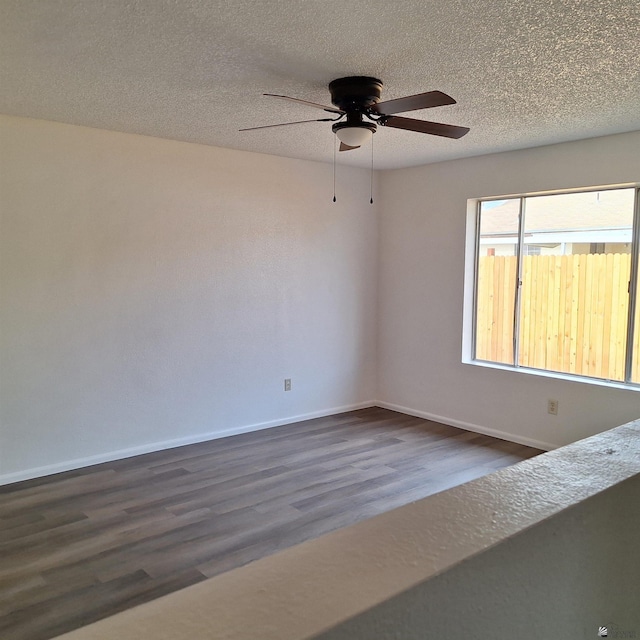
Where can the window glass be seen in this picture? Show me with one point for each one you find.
(557, 300)
(497, 267)
(635, 362)
(574, 300)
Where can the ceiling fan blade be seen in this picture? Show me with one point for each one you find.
(346, 147)
(285, 124)
(411, 103)
(309, 104)
(424, 126)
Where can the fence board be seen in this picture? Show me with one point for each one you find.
(573, 313)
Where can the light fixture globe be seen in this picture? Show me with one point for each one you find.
(354, 134)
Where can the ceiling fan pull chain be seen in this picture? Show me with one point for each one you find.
(371, 186)
(334, 167)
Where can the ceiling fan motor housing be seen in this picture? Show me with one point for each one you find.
(355, 93)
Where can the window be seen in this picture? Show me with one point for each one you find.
(556, 283)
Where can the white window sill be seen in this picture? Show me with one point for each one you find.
(611, 384)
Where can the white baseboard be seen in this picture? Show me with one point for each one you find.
(468, 426)
(120, 454)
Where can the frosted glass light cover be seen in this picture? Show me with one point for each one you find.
(354, 136)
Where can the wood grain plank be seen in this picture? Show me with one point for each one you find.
(79, 546)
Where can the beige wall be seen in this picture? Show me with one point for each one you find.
(156, 293)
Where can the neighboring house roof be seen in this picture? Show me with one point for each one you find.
(568, 212)
(554, 238)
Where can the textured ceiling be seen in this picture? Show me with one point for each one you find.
(524, 72)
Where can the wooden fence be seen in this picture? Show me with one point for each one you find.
(573, 313)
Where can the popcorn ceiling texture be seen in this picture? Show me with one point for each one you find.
(524, 72)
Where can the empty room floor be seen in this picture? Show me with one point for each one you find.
(82, 545)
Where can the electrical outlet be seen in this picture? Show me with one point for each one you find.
(552, 407)
(287, 384)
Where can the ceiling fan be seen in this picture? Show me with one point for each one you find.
(358, 111)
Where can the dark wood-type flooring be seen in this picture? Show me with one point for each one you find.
(82, 545)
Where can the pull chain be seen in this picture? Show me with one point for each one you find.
(334, 167)
(371, 187)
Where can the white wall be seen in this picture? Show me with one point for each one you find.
(422, 245)
(157, 292)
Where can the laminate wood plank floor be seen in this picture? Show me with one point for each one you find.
(82, 545)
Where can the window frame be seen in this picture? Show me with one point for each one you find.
(472, 263)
